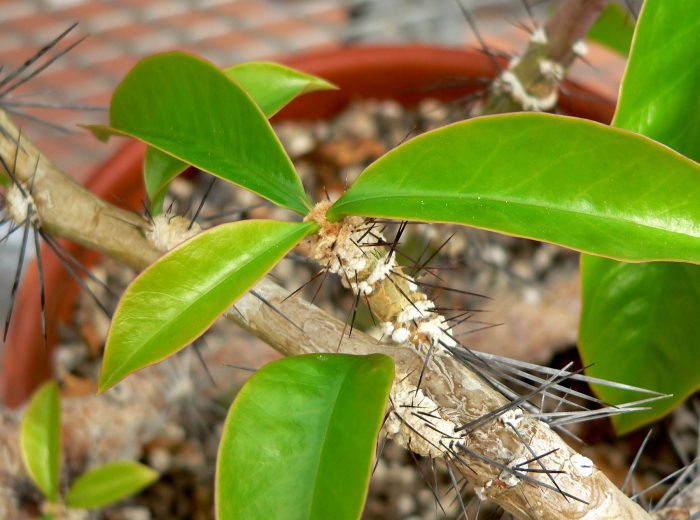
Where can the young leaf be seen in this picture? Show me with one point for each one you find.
(299, 439)
(40, 439)
(177, 298)
(270, 85)
(159, 169)
(568, 181)
(192, 110)
(613, 29)
(109, 483)
(636, 323)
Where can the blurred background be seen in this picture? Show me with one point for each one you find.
(119, 32)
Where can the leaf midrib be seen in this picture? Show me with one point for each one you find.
(510, 202)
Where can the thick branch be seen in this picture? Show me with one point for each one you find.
(68, 210)
(532, 80)
(461, 394)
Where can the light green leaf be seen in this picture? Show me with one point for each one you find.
(177, 298)
(637, 323)
(613, 29)
(159, 169)
(40, 439)
(568, 181)
(190, 109)
(299, 439)
(270, 85)
(109, 483)
(659, 92)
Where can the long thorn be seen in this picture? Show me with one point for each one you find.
(635, 461)
(42, 290)
(36, 56)
(74, 274)
(201, 203)
(9, 88)
(18, 272)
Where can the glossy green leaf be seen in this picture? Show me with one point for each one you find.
(40, 439)
(659, 92)
(298, 442)
(639, 327)
(638, 322)
(192, 110)
(568, 181)
(270, 85)
(177, 298)
(613, 29)
(159, 169)
(109, 483)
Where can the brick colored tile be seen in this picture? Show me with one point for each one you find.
(330, 16)
(157, 10)
(285, 28)
(38, 25)
(197, 25)
(12, 9)
(246, 13)
(66, 80)
(115, 69)
(240, 45)
(125, 35)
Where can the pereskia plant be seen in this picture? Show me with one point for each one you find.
(575, 183)
(569, 191)
(40, 442)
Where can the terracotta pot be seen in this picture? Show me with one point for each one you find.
(404, 73)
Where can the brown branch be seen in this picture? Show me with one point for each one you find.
(461, 394)
(532, 81)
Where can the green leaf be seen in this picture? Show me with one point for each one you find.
(192, 110)
(109, 483)
(659, 92)
(270, 85)
(159, 169)
(40, 439)
(299, 439)
(638, 327)
(568, 181)
(613, 29)
(637, 324)
(177, 298)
